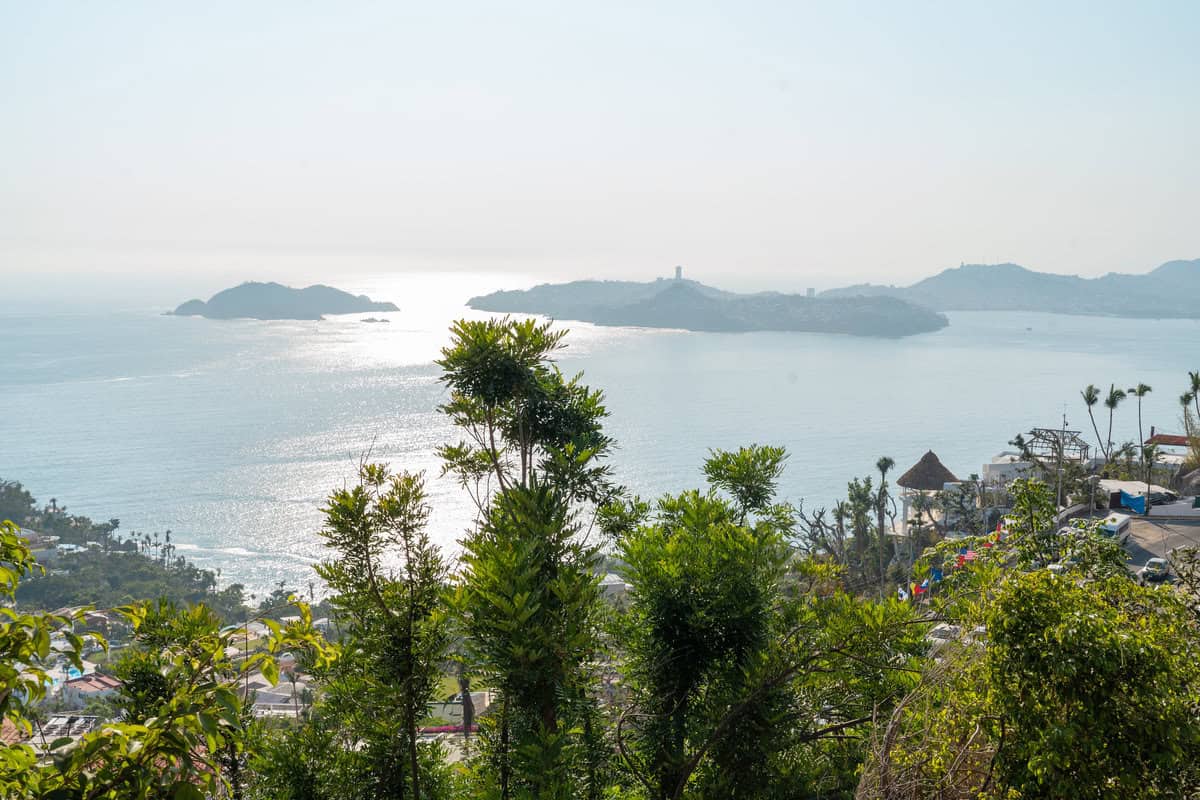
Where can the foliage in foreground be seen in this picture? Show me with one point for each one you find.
(184, 720)
(1068, 683)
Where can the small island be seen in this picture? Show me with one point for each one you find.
(689, 305)
(254, 300)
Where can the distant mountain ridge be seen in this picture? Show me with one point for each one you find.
(1171, 290)
(252, 300)
(687, 304)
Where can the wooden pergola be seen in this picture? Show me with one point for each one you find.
(1048, 443)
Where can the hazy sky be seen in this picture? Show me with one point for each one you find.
(784, 143)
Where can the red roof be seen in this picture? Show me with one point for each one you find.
(10, 734)
(1168, 440)
(96, 682)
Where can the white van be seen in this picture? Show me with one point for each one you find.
(1116, 525)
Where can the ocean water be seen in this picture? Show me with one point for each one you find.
(231, 433)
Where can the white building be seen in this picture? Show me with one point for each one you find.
(1005, 467)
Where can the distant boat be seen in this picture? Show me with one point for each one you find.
(374, 319)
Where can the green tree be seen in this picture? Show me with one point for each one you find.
(1140, 391)
(1194, 389)
(25, 650)
(750, 475)
(861, 502)
(704, 587)
(170, 747)
(1070, 684)
(1111, 401)
(1091, 396)
(1030, 528)
(520, 415)
(531, 458)
(380, 689)
(883, 500)
(527, 601)
(1096, 684)
(741, 661)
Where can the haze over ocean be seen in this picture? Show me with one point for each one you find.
(230, 434)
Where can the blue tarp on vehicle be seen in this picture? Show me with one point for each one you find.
(1133, 503)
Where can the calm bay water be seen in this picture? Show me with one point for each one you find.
(230, 433)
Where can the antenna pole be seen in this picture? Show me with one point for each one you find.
(1062, 444)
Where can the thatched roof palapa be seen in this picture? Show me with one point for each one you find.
(927, 475)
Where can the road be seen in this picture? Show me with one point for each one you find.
(1150, 538)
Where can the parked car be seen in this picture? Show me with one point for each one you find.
(1156, 570)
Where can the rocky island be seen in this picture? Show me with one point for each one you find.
(690, 305)
(254, 300)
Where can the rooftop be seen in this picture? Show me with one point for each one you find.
(1168, 440)
(927, 475)
(95, 682)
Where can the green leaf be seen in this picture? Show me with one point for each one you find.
(183, 790)
(270, 670)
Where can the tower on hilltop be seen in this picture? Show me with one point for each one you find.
(679, 273)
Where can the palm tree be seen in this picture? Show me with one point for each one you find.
(883, 465)
(1091, 396)
(1140, 391)
(922, 504)
(1195, 390)
(1185, 401)
(1115, 396)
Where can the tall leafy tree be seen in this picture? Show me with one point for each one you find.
(742, 661)
(532, 456)
(1140, 391)
(387, 579)
(520, 416)
(750, 475)
(528, 602)
(704, 590)
(861, 502)
(882, 502)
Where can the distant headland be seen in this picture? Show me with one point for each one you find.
(1171, 290)
(275, 301)
(687, 304)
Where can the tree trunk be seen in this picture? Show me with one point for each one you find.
(1142, 449)
(410, 705)
(504, 749)
(882, 546)
(1096, 428)
(464, 691)
(1108, 452)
